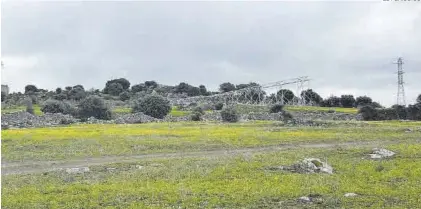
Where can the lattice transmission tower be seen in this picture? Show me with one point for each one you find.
(400, 97)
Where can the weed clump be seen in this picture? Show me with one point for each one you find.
(229, 114)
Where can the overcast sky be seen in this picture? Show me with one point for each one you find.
(343, 47)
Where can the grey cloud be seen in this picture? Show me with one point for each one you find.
(344, 46)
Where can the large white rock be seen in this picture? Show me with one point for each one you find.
(350, 195)
(381, 153)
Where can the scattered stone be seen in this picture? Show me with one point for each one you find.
(408, 130)
(312, 198)
(139, 167)
(138, 117)
(350, 195)
(111, 169)
(304, 199)
(381, 153)
(308, 165)
(77, 170)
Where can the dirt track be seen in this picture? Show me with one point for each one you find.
(44, 166)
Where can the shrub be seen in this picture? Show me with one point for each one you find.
(153, 105)
(3, 96)
(229, 114)
(196, 116)
(347, 101)
(276, 108)
(77, 93)
(124, 96)
(94, 106)
(115, 89)
(219, 106)
(60, 96)
(29, 107)
(55, 106)
(368, 113)
(30, 89)
(287, 116)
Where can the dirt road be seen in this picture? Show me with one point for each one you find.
(44, 166)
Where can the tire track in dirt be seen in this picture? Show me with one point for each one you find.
(29, 167)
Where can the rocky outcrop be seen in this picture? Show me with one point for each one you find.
(25, 120)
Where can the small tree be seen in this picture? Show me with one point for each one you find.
(347, 101)
(115, 89)
(368, 112)
(419, 99)
(285, 94)
(363, 100)
(197, 114)
(153, 105)
(226, 87)
(139, 87)
(94, 106)
(58, 90)
(332, 101)
(77, 93)
(203, 90)
(229, 114)
(151, 84)
(55, 106)
(30, 89)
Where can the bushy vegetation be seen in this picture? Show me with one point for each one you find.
(219, 106)
(396, 112)
(229, 114)
(276, 108)
(93, 106)
(124, 96)
(3, 96)
(153, 105)
(56, 106)
(197, 114)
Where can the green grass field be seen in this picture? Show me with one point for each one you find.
(221, 180)
(110, 139)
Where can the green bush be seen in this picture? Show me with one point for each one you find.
(276, 108)
(197, 114)
(94, 106)
(153, 105)
(3, 96)
(124, 96)
(219, 106)
(368, 112)
(229, 114)
(115, 89)
(55, 106)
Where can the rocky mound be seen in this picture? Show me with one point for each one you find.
(25, 120)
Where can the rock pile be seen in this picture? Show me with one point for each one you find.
(25, 120)
(135, 118)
